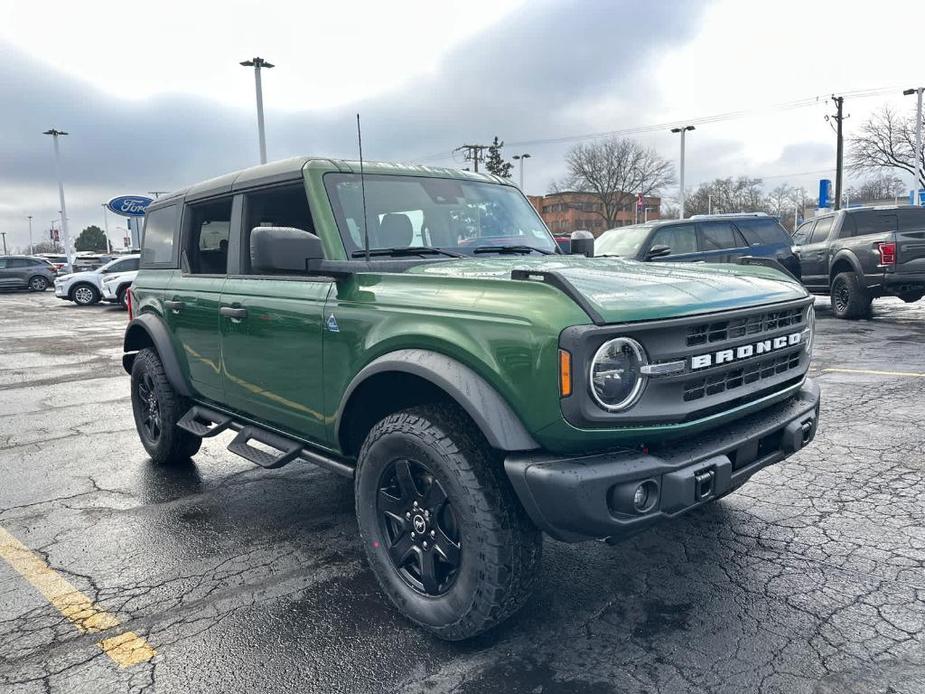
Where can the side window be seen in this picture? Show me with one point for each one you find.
(17, 263)
(848, 227)
(717, 236)
(158, 247)
(680, 238)
(801, 235)
(3, 262)
(821, 232)
(874, 222)
(286, 206)
(911, 219)
(207, 237)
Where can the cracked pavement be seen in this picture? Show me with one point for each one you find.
(811, 578)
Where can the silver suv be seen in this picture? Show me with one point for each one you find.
(26, 272)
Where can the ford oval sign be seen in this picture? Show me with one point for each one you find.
(129, 205)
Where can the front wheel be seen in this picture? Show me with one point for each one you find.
(444, 533)
(85, 295)
(38, 284)
(849, 299)
(122, 296)
(157, 408)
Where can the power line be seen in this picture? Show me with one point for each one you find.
(716, 118)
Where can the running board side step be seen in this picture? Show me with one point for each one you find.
(204, 422)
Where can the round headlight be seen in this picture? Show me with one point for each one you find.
(616, 377)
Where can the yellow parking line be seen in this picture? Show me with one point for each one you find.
(125, 649)
(911, 374)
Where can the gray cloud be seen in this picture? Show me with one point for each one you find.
(520, 79)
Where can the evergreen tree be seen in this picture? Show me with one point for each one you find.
(91, 239)
(495, 163)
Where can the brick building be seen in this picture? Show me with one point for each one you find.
(567, 211)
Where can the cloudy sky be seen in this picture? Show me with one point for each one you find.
(155, 101)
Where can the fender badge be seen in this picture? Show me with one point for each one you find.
(332, 324)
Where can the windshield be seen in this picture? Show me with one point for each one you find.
(443, 213)
(625, 241)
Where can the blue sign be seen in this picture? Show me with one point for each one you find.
(921, 201)
(129, 205)
(825, 191)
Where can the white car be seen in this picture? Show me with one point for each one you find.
(115, 287)
(86, 288)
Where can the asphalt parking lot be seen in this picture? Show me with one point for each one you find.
(219, 576)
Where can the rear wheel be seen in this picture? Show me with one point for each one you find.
(85, 295)
(444, 533)
(157, 408)
(849, 299)
(38, 284)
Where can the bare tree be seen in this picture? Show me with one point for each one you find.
(887, 141)
(878, 188)
(614, 171)
(723, 195)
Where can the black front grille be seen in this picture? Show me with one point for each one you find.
(756, 324)
(749, 373)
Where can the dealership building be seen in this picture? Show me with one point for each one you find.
(568, 211)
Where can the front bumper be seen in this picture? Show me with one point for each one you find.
(108, 294)
(61, 290)
(591, 496)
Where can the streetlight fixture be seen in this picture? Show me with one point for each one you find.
(258, 63)
(918, 178)
(522, 159)
(67, 239)
(683, 130)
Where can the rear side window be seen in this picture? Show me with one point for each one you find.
(717, 236)
(158, 246)
(821, 232)
(764, 231)
(801, 235)
(680, 238)
(209, 229)
(874, 222)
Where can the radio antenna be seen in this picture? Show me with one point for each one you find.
(363, 190)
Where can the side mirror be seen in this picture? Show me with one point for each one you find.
(582, 243)
(658, 251)
(280, 250)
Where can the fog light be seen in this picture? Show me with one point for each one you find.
(641, 497)
(632, 498)
(645, 496)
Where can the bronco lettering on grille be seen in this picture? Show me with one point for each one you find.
(727, 356)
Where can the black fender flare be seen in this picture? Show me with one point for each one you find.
(490, 412)
(845, 254)
(147, 329)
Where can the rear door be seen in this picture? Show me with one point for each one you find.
(910, 241)
(720, 242)
(272, 345)
(7, 278)
(193, 297)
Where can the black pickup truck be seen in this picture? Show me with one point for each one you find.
(859, 254)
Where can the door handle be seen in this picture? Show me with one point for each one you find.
(233, 313)
(175, 306)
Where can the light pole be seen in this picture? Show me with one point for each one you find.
(522, 158)
(67, 239)
(918, 178)
(106, 224)
(257, 64)
(3, 234)
(31, 246)
(683, 130)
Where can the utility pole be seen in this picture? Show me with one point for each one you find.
(3, 234)
(522, 158)
(839, 146)
(683, 130)
(918, 177)
(257, 64)
(31, 246)
(474, 153)
(66, 237)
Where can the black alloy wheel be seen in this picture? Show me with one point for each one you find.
(149, 409)
(841, 296)
(418, 521)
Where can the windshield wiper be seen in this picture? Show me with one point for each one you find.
(607, 255)
(406, 250)
(510, 249)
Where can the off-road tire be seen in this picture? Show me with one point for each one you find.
(911, 297)
(85, 295)
(37, 284)
(849, 299)
(499, 547)
(170, 444)
(122, 296)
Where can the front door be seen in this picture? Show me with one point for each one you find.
(7, 274)
(193, 297)
(680, 238)
(814, 255)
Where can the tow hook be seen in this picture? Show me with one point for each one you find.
(703, 483)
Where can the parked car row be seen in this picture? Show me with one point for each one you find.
(26, 272)
(108, 282)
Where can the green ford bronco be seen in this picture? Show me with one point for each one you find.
(419, 331)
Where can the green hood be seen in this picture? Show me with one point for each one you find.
(627, 290)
